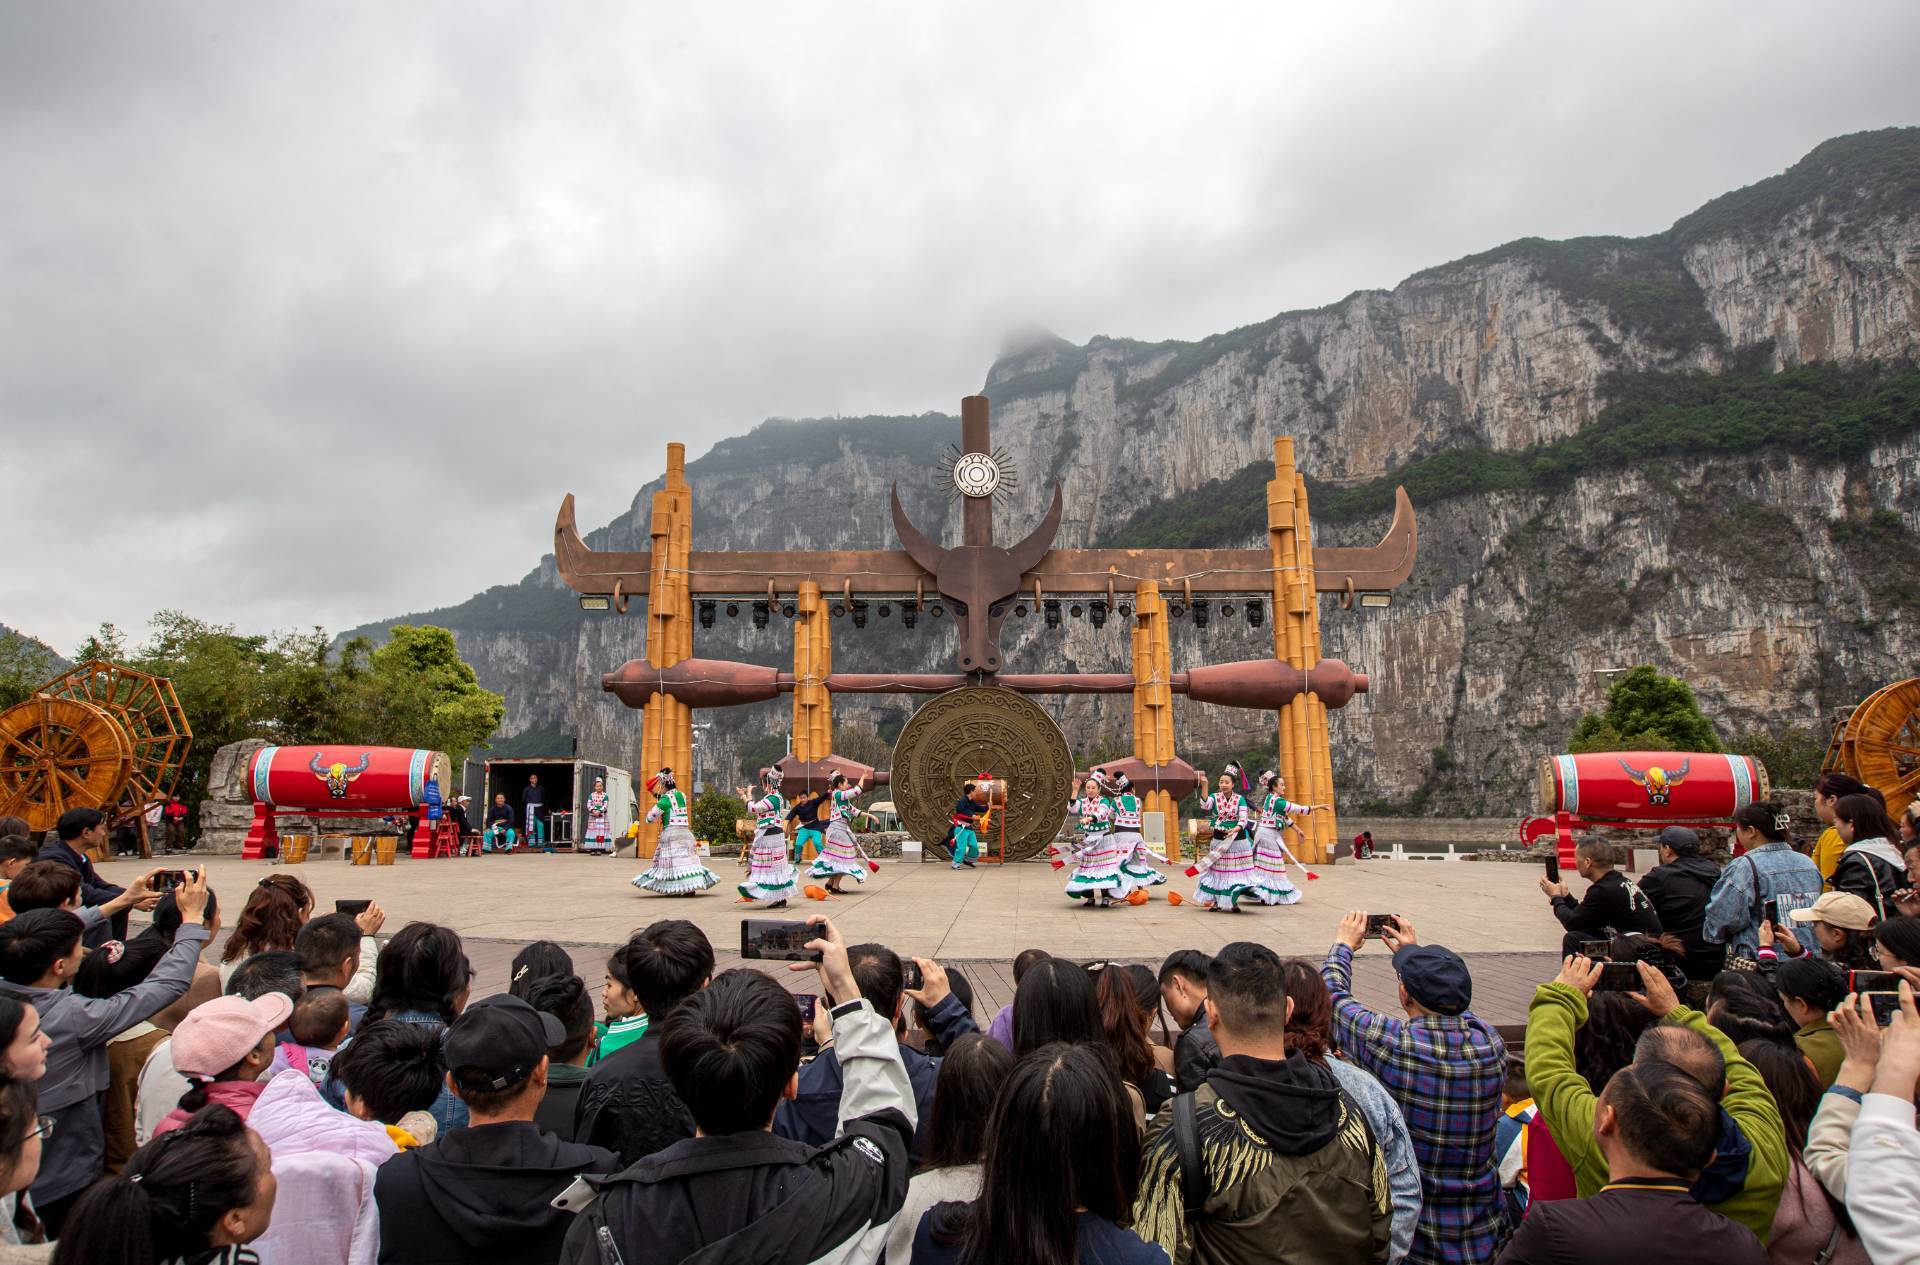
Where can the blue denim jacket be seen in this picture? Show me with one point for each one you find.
(1779, 872)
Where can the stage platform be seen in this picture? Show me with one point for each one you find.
(1491, 913)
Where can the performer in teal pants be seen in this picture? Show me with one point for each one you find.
(966, 820)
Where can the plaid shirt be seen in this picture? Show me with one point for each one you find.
(1446, 1072)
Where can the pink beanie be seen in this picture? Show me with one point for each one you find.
(216, 1035)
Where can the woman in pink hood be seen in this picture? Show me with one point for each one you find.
(324, 1159)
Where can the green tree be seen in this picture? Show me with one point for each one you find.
(713, 816)
(1646, 710)
(25, 665)
(1792, 754)
(418, 692)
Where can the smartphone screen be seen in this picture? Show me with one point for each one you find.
(1872, 982)
(351, 906)
(167, 880)
(1553, 867)
(1885, 1007)
(1618, 977)
(772, 939)
(910, 974)
(806, 1002)
(1773, 912)
(1376, 923)
(1596, 949)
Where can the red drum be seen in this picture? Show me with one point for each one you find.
(1650, 786)
(347, 778)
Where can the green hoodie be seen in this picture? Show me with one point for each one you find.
(1567, 1103)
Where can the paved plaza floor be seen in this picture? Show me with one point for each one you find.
(1492, 913)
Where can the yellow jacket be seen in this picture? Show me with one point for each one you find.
(1826, 853)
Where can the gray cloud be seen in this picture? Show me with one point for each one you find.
(314, 312)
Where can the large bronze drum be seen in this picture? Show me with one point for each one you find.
(984, 729)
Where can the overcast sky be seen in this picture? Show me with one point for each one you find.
(312, 312)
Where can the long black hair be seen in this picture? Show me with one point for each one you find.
(1868, 818)
(168, 1200)
(423, 967)
(1744, 1006)
(1062, 1138)
(1769, 819)
(1604, 1043)
(537, 961)
(13, 1013)
(1795, 1089)
(1899, 937)
(969, 1081)
(1056, 1002)
(18, 1116)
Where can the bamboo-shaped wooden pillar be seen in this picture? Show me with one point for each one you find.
(666, 734)
(1305, 760)
(812, 662)
(1153, 702)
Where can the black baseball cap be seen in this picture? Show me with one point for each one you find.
(497, 1042)
(1682, 840)
(1435, 977)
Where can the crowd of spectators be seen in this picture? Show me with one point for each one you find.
(325, 1097)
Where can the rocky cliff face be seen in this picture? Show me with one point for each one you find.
(1779, 586)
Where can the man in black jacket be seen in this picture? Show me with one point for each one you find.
(1657, 1127)
(628, 1105)
(812, 1115)
(485, 1192)
(1612, 905)
(1679, 887)
(80, 829)
(1183, 987)
(737, 1192)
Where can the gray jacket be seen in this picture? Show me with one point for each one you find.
(77, 1072)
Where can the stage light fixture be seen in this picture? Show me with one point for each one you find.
(839, 610)
(909, 616)
(733, 610)
(1176, 610)
(1075, 610)
(1052, 609)
(1256, 611)
(859, 614)
(1200, 612)
(1020, 609)
(762, 611)
(1097, 614)
(936, 611)
(786, 609)
(595, 603)
(1126, 610)
(1376, 601)
(1226, 608)
(706, 614)
(885, 610)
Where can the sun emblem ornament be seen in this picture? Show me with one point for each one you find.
(978, 474)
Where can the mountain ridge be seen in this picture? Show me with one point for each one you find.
(1502, 357)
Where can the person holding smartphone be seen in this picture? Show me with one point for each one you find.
(734, 1191)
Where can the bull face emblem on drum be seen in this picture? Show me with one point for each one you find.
(1658, 783)
(338, 774)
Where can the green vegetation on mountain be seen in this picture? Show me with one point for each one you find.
(1827, 411)
(1852, 177)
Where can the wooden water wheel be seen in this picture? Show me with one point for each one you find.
(150, 715)
(60, 753)
(1880, 743)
